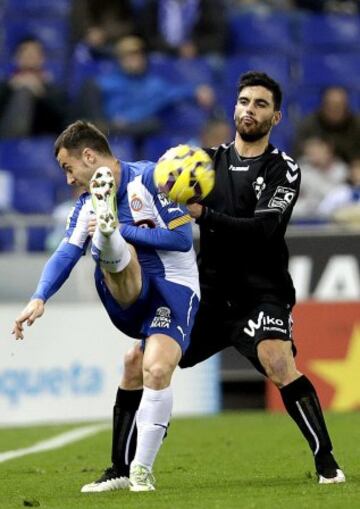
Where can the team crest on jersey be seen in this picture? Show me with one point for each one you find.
(259, 186)
(282, 198)
(136, 204)
(162, 318)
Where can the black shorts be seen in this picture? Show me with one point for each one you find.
(215, 329)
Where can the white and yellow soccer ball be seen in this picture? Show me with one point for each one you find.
(185, 174)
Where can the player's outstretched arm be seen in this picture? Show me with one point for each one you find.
(35, 309)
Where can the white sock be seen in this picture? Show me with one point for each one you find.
(152, 421)
(114, 251)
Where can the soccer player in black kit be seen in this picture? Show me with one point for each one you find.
(246, 290)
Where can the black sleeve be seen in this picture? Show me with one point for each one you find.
(277, 194)
(260, 226)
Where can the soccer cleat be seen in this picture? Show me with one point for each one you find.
(141, 478)
(328, 470)
(103, 193)
(337, 478)
(109, 481)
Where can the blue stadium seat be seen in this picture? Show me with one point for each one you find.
(278, 67)
(36, 238)
(29, 157)
(184, 119)
(282, 136)
(122, 147)
(83, 67)
(6, 239)
(33, 195)
(260, 32)
(48, 8)
(178, 70)
(329, 32)
(52, 32)
(155, 146)
(330, 69)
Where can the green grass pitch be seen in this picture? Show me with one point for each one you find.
(242, 460)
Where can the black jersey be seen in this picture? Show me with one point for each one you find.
(243, 256)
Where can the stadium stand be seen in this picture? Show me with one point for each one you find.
(304, 51)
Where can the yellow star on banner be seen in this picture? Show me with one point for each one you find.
(343, 375)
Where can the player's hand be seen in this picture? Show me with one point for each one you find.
(32, 311)
(92, 226)
(195, 210)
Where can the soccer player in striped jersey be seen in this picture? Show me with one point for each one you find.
(146, 277)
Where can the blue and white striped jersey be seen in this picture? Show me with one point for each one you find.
(160, 230)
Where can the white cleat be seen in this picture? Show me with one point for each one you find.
(339, 478)
(109, 481)
(141, 478)
(103, 194)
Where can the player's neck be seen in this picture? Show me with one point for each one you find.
(250, 148)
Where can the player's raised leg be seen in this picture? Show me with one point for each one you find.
(117, 259)
(161, 356)
(302, 404)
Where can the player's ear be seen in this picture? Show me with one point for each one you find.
(276, 118)
(88, 156)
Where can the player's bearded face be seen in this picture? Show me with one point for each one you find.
(254, 113)
(253, 132)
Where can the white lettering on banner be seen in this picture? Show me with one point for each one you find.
(340, 280)
(58, 381)
(300, 268)
(67, 369)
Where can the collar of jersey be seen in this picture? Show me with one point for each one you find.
(124, 179)
(242, 159)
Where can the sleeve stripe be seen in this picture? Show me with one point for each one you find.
(276, 210)
(179, 221)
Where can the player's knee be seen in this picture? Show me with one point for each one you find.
(157, 375)
(276, 362)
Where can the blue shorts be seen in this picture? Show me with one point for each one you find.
(163, 307)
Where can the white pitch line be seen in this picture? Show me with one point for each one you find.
(55, 442)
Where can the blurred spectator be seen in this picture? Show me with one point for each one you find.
(343, 203)
(321, 173)
(60, 215)
(335, 121)
(214, 132)
(186, 28)
(30, 103)
(98, 24)
(129, 98)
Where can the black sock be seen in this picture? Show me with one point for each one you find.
(301, 402)
(124, 429)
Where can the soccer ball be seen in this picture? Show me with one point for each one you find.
(185, 174)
